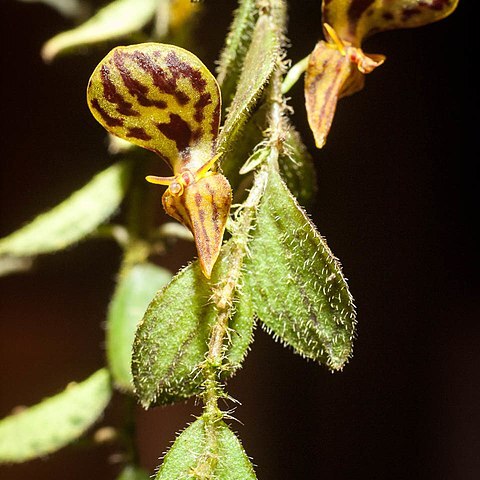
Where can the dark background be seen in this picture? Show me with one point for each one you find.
(397, 186)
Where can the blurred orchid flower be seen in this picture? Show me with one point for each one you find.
(337, 66)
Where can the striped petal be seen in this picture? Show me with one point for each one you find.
(355, 20)
(160, 97)
(203, 207)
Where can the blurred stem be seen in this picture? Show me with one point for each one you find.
(139, 221)
(139, 208)
(129, 431)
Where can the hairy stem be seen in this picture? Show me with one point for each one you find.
(222, 296)
(224, 291)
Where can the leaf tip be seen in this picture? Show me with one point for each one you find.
(48, 52)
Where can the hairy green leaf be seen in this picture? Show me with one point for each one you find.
(297, 168)
(56, 421)
(132, 295)
(233, 463)
(193, 455)
(132, 472)
(259, 64)
(295, 162)
(235, 158)
(297, 287)
(117, 19)
(74, 218)
(236, 46)
(171, 341)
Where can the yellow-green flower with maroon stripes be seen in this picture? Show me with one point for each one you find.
(163, 98)
(337, 65)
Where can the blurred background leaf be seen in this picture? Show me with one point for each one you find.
(68, 8)
(134, 291)
(115, 20)
(74, 218)
(54, 422)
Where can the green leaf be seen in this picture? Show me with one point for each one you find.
(132, 295)
(257, 158)
(295, 162)
(245, 144)
(74, 218)
(236, 47)
(132, 472)
(296, 284)
(260, 61)
(191, 453)
(297, 168)
(54, 422)
(172, 340)
(233, 463)
(117, 19)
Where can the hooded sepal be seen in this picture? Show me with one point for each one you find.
(203, 207)
(335, 70)
(337, 65)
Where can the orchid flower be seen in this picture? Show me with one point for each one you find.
(337, 66)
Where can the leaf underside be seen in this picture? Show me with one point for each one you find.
(236, 47)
